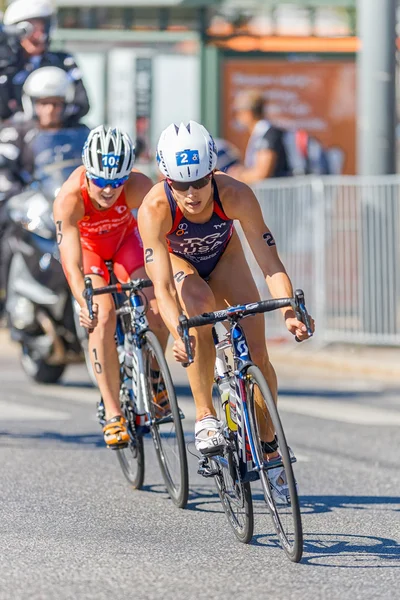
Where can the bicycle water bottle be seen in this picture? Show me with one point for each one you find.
(233, 400)
(225, 392)
(131, 378)
(130, 364)
(119, 342)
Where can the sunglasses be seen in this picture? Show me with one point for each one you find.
(183, 186)
(100, 182)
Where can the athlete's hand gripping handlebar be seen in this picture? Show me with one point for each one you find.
(88, 295)
(301, 312)
(183, 331)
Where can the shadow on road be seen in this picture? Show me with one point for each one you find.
(87, 439)
(326, 504)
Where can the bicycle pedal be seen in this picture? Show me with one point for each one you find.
(118, 447)
(205, 469)
(207, 472)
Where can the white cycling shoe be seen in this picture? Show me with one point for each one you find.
(208, 434)
(279, 486)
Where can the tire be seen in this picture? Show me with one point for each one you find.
(168, 437)
(39, 370)
(236, 501)
(286, 518)
(131, 460)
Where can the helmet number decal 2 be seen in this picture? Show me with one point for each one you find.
(110, 160)
(187, 157)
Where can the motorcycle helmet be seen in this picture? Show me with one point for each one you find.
(46, 82)
(25, 10)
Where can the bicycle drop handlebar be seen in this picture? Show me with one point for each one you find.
(132, 286)
(234, 313)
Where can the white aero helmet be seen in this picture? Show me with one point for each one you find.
(186, 153)
(46, 82)
(23, 10)
(108, 154)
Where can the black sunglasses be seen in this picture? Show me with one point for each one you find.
(183, 186)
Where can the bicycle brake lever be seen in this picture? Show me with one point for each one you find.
(301, 313)
(88, 295)
(184, 334)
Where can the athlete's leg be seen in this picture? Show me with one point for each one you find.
(232, 281)
(102, 349)
(196, 297)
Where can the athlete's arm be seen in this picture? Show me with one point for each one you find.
(68, 209)
(154, 221)
(136, 188)
(243, 205)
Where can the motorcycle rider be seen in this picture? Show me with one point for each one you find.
(33, 54)
(47, 94)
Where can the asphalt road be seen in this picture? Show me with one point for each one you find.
(71, 528)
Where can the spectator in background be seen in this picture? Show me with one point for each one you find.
(265, 153)
(33, 54)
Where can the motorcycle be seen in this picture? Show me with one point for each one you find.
(41, 312)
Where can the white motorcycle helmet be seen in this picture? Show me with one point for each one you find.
(108, 154)
(186, 152)
(46, 82)
(24, 10)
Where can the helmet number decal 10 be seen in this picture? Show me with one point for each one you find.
(187, 157)
(110, 160)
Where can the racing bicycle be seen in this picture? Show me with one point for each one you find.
(145, 381)
(255, 439)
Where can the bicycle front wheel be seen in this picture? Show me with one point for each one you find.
(264, 417)
(166, 422)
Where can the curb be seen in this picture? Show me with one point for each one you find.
(344, 364)
(383, 365)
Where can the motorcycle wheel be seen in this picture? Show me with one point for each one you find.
(39, 370)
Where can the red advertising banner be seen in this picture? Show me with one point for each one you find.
(319, 97)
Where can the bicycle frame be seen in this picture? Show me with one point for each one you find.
(138, 327)
(249, 463)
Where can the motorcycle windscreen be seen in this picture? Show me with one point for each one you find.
(57, 154)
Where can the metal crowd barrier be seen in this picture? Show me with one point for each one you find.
(339, 239)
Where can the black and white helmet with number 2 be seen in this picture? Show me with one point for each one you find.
(108, 153)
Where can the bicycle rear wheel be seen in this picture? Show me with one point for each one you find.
(131, 458)
(264, 415)
(166, 426)
(235, 495)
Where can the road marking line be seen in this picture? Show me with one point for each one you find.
(22, 412)
(86, 395)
